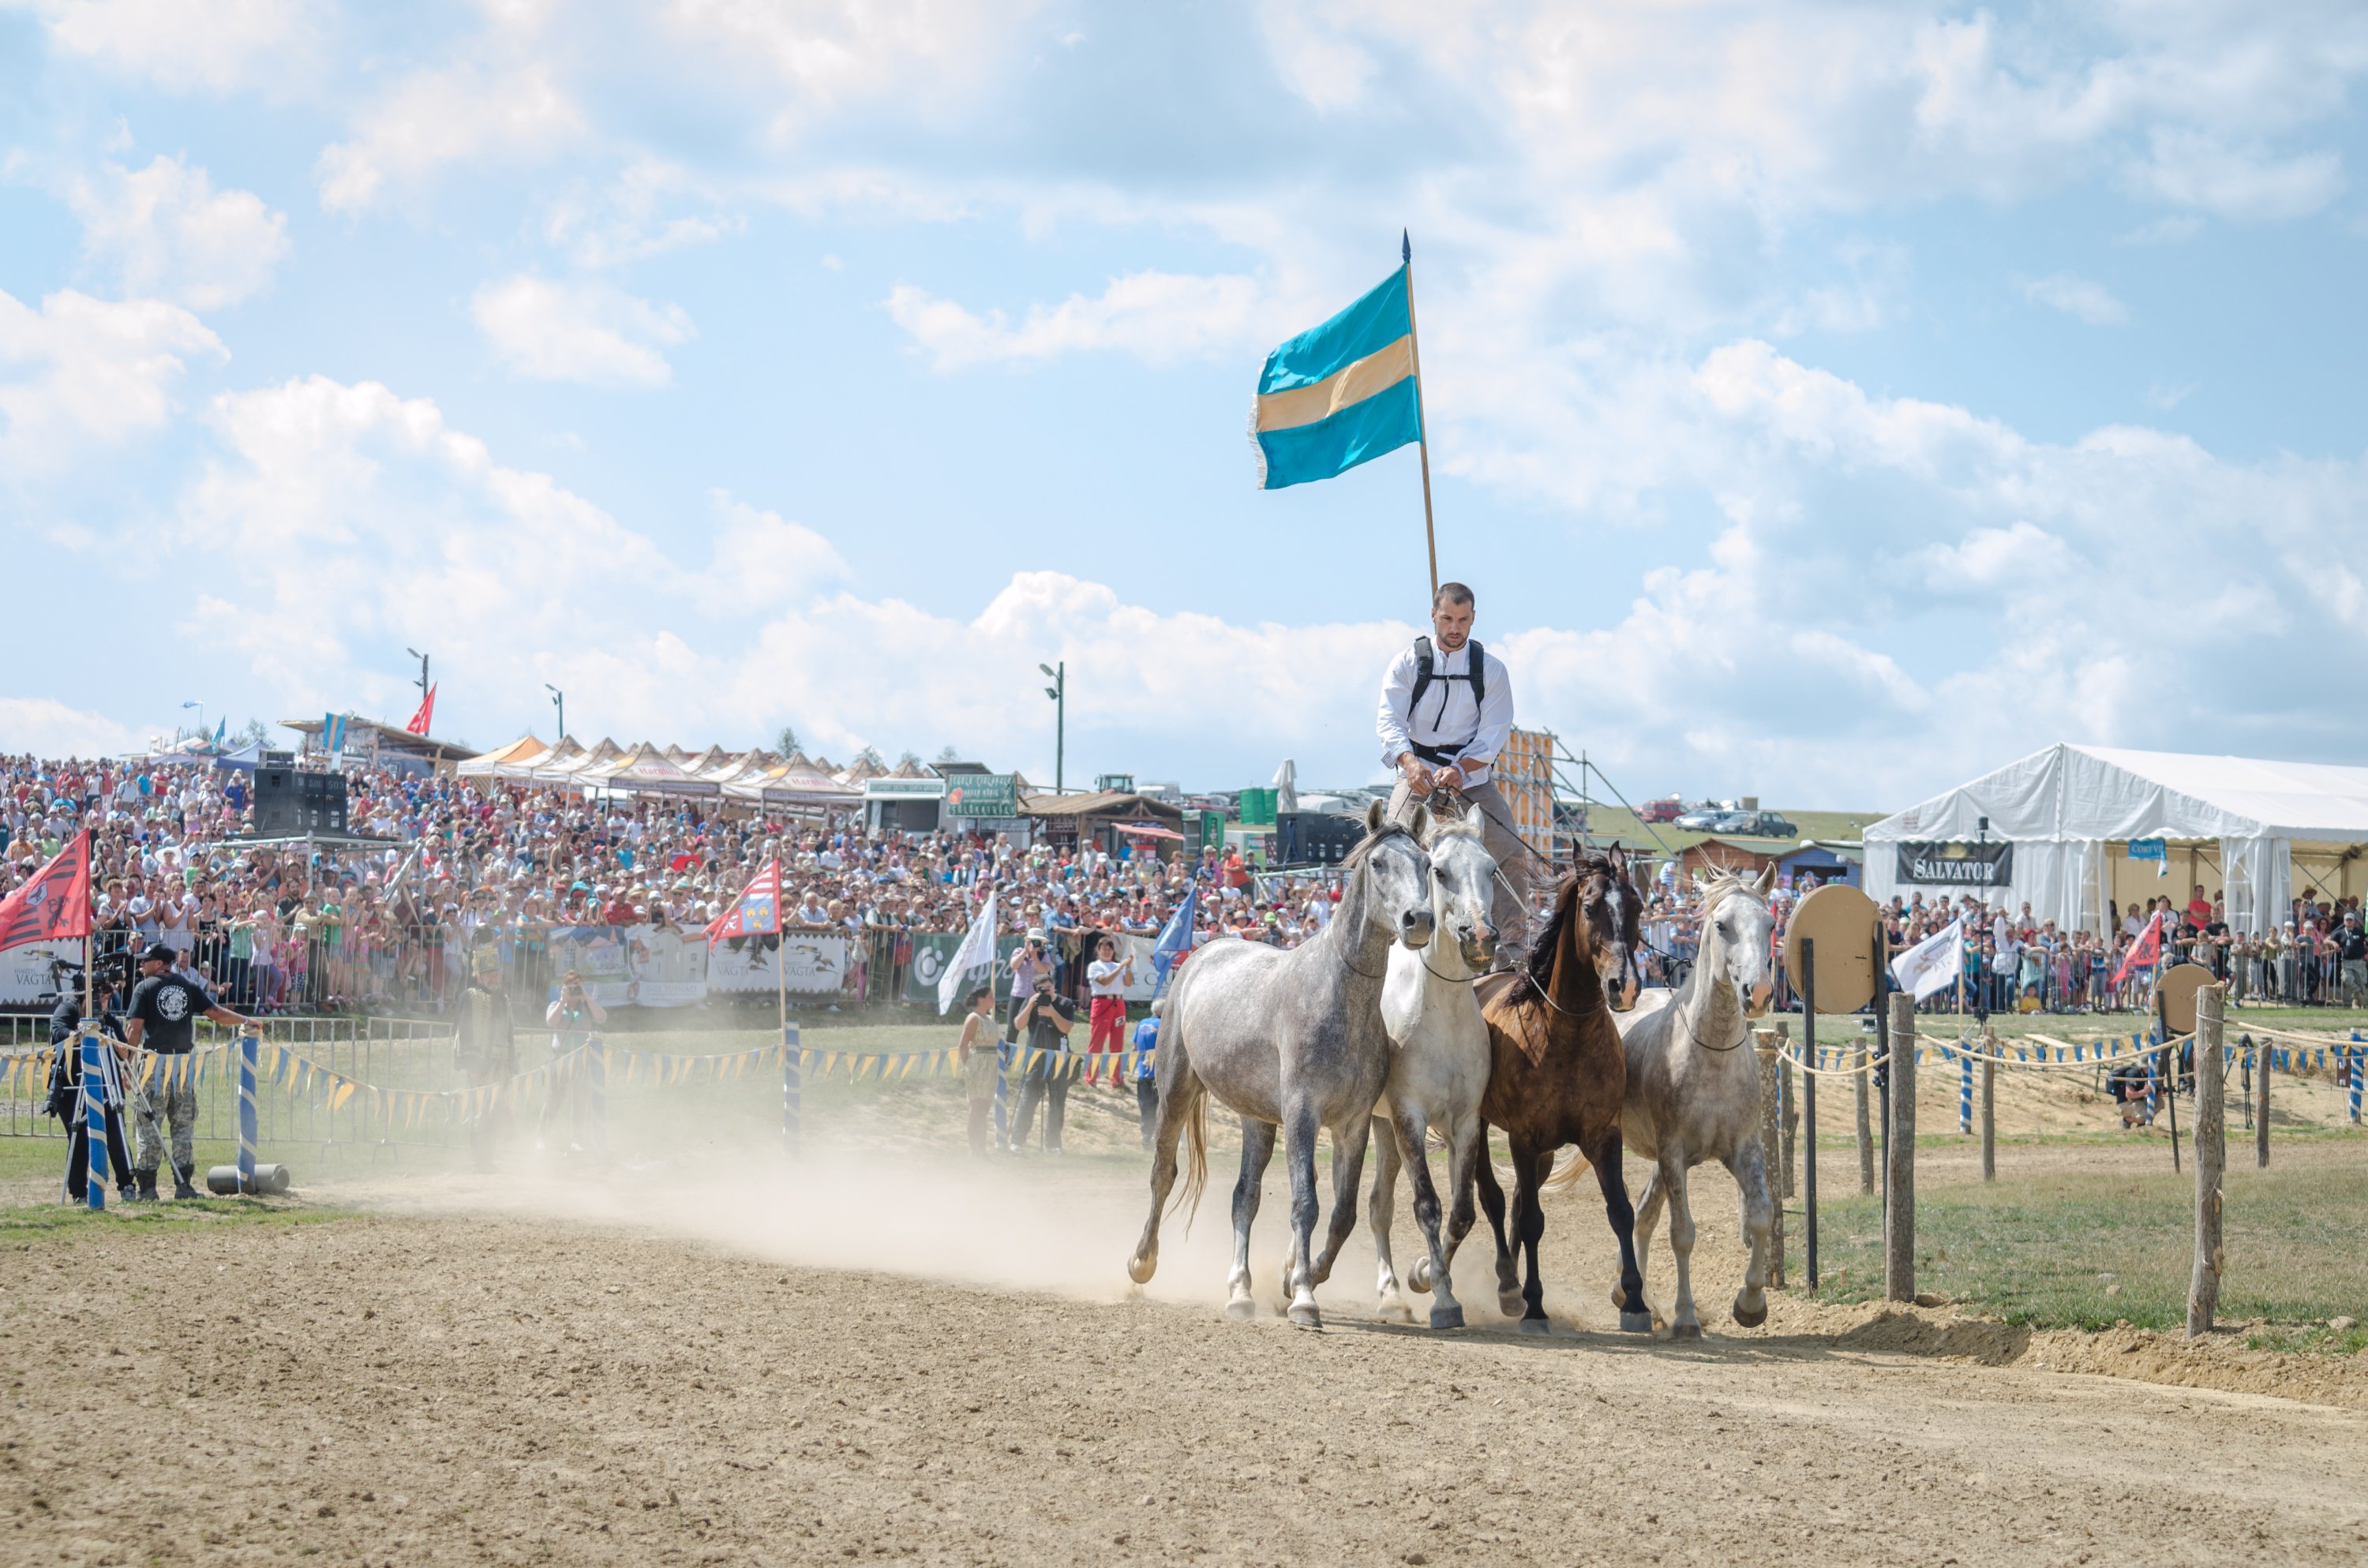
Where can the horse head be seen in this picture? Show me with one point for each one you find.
(1736, 938)
(1397, 875)
(1464, 875)
(1599, 912)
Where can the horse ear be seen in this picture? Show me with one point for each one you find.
(1374, 817)
(1421, 825)
(1767, 879)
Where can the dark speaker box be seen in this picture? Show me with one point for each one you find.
(1315, 839)
(287, 801)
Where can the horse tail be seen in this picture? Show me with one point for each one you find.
(1196, 1165)
(1568, 1172)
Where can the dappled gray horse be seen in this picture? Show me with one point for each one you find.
(1291, 1042)
(1693, 1091)
(1439, 1069)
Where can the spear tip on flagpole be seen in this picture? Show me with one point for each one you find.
(1406, 245)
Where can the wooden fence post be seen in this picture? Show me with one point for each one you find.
(1990, 1104)
(1772, 1080)
(2261, 1105)
(1899, 1154)
(1858, 1092)
(2211, 1159)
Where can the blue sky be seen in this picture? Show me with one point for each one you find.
(1828, 402)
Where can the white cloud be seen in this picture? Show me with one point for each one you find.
(164, 232)
(579, 332)
(2167, 395)
(2243, 183)
(1159, 317)
(214, 44)
(80, 374)
(2074, 296)
(435, 118)
(636, 215)
(46, 727)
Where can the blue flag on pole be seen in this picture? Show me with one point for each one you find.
(1174, 939)
(1342, 394)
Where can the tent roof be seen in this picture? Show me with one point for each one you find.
(1105, 802)
(785, 784)
(524, 749)
(2078, 792)
(645, 769)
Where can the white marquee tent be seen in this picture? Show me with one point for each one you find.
(2254, 830)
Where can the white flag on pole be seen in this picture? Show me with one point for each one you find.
(976, 952)
(1932, 964)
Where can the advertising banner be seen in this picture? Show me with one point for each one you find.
(24, 970)
(817, 961)
(930, 952)
(983, 795)
(1954, 865)
(632, 966)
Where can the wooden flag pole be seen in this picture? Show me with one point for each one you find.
(1422, 424)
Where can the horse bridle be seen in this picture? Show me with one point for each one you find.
(1359, 857)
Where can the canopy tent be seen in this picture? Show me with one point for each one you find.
(644, 770)
(564, 766)
(523, 752)
(784, 785)
(2247, 828)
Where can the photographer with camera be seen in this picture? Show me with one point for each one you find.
(65, 1085)
(572, 1016)
(1042, 1025)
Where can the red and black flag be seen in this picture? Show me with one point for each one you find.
(55, 904)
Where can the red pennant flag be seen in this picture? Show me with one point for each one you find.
(2147, 950)
(757, 913)
(55, 904)
(426, 716)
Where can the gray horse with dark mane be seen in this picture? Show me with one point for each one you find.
(1291, 1042)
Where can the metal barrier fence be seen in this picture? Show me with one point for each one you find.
(394, 1053)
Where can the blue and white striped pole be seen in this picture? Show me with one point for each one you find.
(94, 1115)
(2359, 1065)
(595, 1091)
(1964, 1089)
(1003, 1051)
(247, 1043)
(793, 1088)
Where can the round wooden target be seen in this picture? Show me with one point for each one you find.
(1840, 920)
(2175, 994)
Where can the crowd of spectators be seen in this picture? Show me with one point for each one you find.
(277, 928)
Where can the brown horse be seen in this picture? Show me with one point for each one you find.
(1558, 1077)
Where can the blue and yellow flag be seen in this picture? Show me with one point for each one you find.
(1344, 393)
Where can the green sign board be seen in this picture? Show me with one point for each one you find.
(933, 950)
(983, 795)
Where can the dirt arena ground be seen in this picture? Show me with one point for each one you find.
(915, 1358)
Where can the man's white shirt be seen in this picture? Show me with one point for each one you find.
(1449, 716)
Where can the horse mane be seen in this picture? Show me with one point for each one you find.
(1726, 882)
(1366, 845)
(1537, 966)
(1464, 826)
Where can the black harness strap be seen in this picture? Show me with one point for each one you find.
(1426, 671)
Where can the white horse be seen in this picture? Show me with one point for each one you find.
(1291, 1042)
(1693, 1091)
(1439, 1069)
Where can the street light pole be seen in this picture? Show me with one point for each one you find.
(1059, 692)
(558, 700)
(423, 671)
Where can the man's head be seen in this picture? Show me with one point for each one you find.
(1451, 615)
(1043, 985)
(155, 959)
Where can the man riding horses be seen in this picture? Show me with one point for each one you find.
(1446, 711)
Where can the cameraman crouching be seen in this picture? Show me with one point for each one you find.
(163, 1019)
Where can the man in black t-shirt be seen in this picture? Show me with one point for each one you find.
(2352, 953)
(1044, 1022)
(163, 1019)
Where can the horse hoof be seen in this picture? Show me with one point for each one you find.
(1241, 1310)
(1537, 1326)
(1141, 1269)
(1746, 1318)
(1635, 1323)
(1419, 1277)
(1304, 1315)
(1447, 1317)
(1511, 1303)
(1685, 1331)
(1398, 1312)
